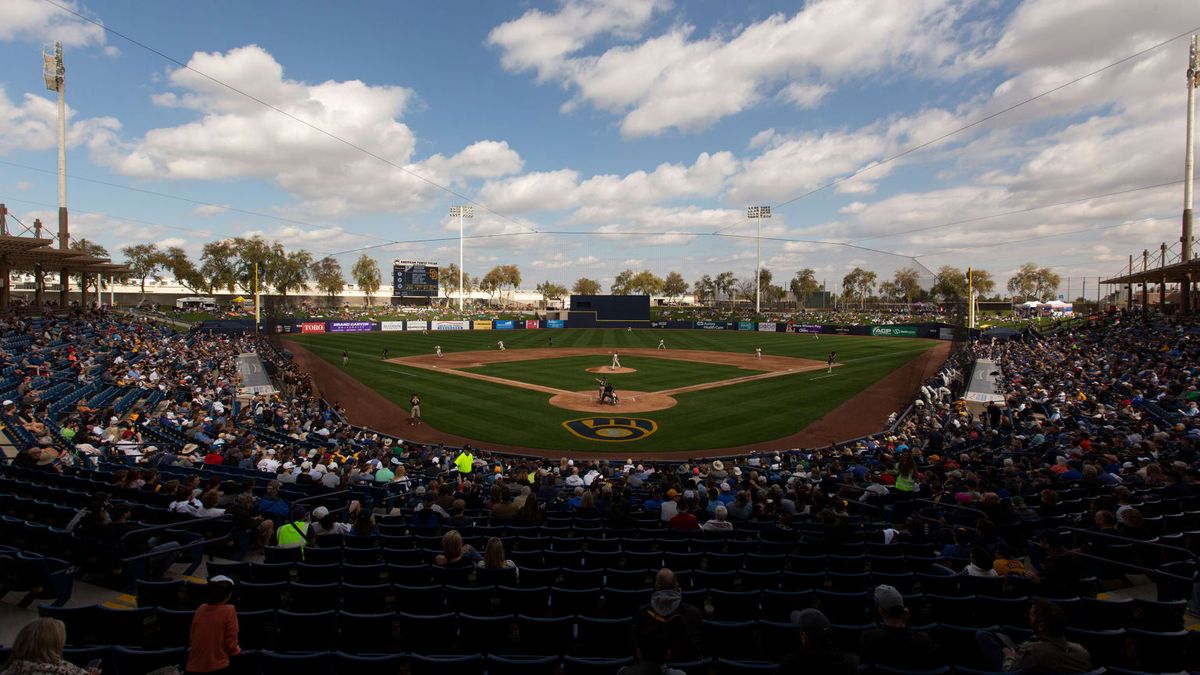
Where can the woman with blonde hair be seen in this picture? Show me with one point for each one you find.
(495, 559)
(38, 651)
(454, 552)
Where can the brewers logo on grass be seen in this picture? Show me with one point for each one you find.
(611, 428)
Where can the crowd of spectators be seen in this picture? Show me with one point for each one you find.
(1106, 411)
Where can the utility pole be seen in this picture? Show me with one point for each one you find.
(1189, 157)
(55, 73)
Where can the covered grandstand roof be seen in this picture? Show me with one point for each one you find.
(30, 251)
(1173, 273)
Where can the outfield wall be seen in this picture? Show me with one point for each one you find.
(930, 330)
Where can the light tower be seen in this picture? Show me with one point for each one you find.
(55, 74)
(461, 212)
(757, 213)
(1193, 82)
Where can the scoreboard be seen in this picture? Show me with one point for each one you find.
(414, 279)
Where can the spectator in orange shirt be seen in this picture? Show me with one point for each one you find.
(214, 636)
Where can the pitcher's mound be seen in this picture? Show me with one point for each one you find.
(630, 402)
(614, 371)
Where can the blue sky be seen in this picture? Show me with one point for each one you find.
(625, 120)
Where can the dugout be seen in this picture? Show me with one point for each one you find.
(609, 311)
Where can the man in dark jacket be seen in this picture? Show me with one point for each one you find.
(679, 623)
(894, 644)
(816, 651)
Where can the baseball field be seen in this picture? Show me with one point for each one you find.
(706, 391)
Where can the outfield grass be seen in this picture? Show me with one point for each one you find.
(570, 373)
(727, 416)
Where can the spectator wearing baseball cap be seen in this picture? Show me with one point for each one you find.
(816, 651)
(894, 644)
(214, 634)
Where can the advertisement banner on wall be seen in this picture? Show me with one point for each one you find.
(391, 325)
(416, 325)
(555, 323)
(894, 331)
(840, 330)
(451, 325)
(351, 326)
(767, 327)
(312, 327)
(502, 325)
(711, 325)
(658, 324)
(805, 328)
(481, 325)
(532, 324)
(945, 333)
(745, 325)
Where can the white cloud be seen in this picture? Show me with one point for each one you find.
(23, 185)
(111, 51)
(32, 124)
(675, 80)
(238, 138)
(210, 209)
(38, 21)
(563, 189)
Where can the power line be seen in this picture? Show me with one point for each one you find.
(975, 123)
(1015, 212)
(120, 219)
(310, 125)
(1040, 237)
(188, 200)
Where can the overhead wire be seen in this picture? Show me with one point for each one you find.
(975, 123)
(444, 188)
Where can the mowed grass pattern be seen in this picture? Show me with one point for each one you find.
(714, 418)
(571, 374)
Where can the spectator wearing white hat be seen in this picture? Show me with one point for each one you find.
(287, 474)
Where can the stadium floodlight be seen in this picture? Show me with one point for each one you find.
(461, 212)
(757, 213)
(55, 74)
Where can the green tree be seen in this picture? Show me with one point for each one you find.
(765, 277)
(491, 282)
(291, 274)
(367, 276)
(327, 273)
(982, 281)
(646, 282)
(448, 281)
(1024, 284)
(510, 277)
(725, 284)
(1046, 285)
(176, 261)
(217, 265)
(858, 284)
(706, 289)
(551, 291)
(620, 285)
(908, 284)
(144, 260)
(674, 286)
(586, 286)
(257, 257)
(950, 284)
(803, 285)
(91, 249)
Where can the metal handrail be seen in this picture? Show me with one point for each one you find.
(321, 496)
(1150, 572)
(1128, 540)
(168, 526)
(952, 506)
(181, 547)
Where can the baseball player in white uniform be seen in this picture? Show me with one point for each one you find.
(500, 344)
(437, 349)
(662, 344)
(758, 353)
(616, 362)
